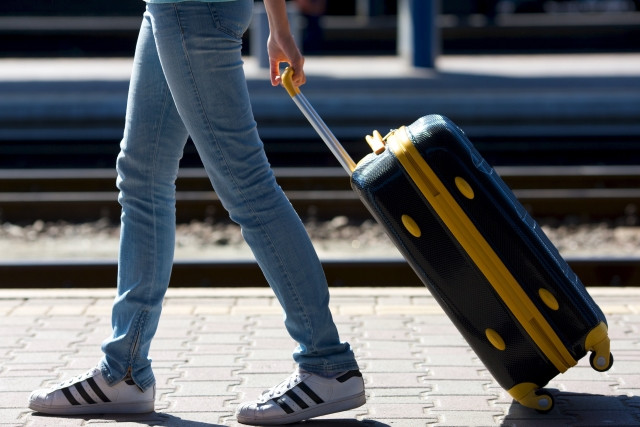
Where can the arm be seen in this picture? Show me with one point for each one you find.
(281, 45)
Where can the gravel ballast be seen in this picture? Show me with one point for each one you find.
(338, 238)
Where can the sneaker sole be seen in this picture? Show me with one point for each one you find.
(98, 408)
(317, 411)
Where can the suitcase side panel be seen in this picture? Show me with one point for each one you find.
(477, 248)
(536, 264)
(447, 270)
(444, 267)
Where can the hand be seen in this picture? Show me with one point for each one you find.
(285, 51)
(281, 46)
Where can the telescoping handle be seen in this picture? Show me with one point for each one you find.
(316, 121)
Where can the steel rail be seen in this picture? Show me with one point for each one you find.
(95, 179)
(592, 193)
(379, 272)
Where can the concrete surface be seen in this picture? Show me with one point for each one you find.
(579, 94)
(217, 347)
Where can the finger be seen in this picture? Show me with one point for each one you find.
(274, 72)
(299, 77)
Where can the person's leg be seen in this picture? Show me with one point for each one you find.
(147, 166)
(199, 46)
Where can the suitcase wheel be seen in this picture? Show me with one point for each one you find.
(600, 363)
(598, 344)
(545, 402)
(531, 396)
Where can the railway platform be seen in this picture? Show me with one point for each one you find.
(218, 346)
(577, 94)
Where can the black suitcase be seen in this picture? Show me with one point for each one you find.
(486, 261)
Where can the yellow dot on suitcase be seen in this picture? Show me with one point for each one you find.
(548, 299)
(495, 339)
(411, 226)
(464, 187)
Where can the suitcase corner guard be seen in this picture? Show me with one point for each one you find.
(530, 395)
(598, 343)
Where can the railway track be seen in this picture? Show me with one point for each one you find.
(589, 193)
(586, 192)
(245, 273)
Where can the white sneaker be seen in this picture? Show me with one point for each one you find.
(302, 396)
(90, 394)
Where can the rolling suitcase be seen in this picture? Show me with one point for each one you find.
(500, 280)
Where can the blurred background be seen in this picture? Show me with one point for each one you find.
(59, 28)
(85, 130)
(548, 91)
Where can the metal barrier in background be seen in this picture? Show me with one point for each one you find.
(418, 32)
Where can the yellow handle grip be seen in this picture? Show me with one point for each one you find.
(287, 82)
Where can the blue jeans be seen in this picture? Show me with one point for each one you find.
(188, 80)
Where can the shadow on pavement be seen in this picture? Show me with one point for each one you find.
(164, 419)
(579, 409)
(150, 419)
(347, 422)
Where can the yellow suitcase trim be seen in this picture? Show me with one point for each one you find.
(479, 250)
(527, 394)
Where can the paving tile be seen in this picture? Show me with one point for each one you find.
(207, 403)
(211, 309)
(100, 311)
(455, 358)
(406, 392)
(23, 384)
(394, 411)
(355, 310)
(627, 355)
(11, 344)
(197, 360)
(283, 366)
(601, 417)
(400, 367)
(464, 418)
(210, 373)
(417, 368)
(383, 422)
(13, 400)
(31, 310)
(536, 421)
(393, 380)
(193, 419)
(386, 322)
(453, 372)
(269, 354)
(37, 420)
(595, 387)
(469, 403)
(389, 335)
(183, 387)
(216, 324)
(460, 387)
(450, 339)
(628, 382)
(213, 348)
(256, 309)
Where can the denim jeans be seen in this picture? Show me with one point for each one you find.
(188, 79)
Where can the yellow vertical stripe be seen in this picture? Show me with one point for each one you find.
(480, 251)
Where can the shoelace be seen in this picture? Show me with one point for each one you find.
(281, 388)
(77, 379)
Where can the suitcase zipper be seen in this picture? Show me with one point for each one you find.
(480, 251)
